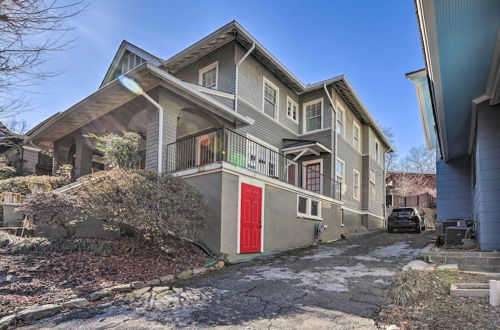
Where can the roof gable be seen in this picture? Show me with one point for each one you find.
(124, 49)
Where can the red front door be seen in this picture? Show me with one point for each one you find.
(250, 218)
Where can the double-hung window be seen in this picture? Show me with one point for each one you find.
(340, 173)
(313, 115)
(208, 76)
(340, 120)
(291, 109)
(356, 136)
(356, 194)
(270, 102)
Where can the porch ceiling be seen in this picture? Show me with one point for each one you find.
(114, 95)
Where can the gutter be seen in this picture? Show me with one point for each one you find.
(236, 75)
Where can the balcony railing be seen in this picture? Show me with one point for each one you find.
(226, 145)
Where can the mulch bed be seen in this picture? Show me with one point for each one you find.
(439, 310)
(44, 278)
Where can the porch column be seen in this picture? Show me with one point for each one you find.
(30, 160)
(83, 157)
(171, 110)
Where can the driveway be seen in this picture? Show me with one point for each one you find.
(335, 286)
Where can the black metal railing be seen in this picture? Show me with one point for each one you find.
(226, 145)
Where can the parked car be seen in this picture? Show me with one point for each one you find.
(411, 218)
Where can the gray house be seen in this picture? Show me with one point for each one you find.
(282, 163)
(459, 97)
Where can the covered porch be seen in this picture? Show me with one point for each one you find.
(152, 103)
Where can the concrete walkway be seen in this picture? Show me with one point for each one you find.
(336, 286)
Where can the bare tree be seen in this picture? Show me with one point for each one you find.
(419, 160)
(408, 183)
(18, 126)
(391, 158)
(30, 30)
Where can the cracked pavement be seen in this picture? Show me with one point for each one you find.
(336, 286)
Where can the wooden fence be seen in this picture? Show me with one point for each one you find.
(422, 200)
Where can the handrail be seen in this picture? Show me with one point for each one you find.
(226, 145)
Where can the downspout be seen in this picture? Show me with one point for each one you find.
(334, 125)
(160, 130)
(236, 75)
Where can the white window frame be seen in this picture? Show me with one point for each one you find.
(343, 184)
(308, 214)
(206, 69)
(355, 125)
(340, 108)
(293, 103)
(356, 190)
(304, 169)
(377, 151)
(268, 156)
(276, 113)
(304, 121)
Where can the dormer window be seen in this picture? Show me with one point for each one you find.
(208, 76)
(131, 61)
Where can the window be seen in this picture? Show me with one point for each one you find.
(262, 158)
(356, 194)
(312, 176)
(270, 105)
(356, 136)
(377, 151)
(308, 207)
(131, 61)
(208, 76)
(291, 109)
(313, 115)
(340, 174)
(302, 205)
(372, 176)
(340, 120)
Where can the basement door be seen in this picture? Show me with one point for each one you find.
(250, 218)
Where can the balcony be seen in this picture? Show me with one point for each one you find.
(225, 145)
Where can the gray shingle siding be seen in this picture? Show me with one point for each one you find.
(353, 161)
(226, 68)
(486, 195)
(251, 86)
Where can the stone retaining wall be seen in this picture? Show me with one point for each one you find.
(466, 260)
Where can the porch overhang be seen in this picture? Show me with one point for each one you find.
(114, 94)
(299, 148)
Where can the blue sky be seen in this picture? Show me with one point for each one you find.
(374, 43)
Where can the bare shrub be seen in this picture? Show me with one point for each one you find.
(120, 151)
(154, 206)
(49, 208)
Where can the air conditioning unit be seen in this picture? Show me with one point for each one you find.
(454, 235)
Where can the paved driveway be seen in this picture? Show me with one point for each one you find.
(336, 286)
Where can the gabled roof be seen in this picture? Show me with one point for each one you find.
(234, 31)
(127, 46)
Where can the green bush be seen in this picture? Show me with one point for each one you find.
(20, 184)
(120, 151)
(154, 206)
(6, 171)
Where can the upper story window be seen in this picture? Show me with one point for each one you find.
(377, 151)
(270, 102)
(340, 120)
(208, 76)
(313, 115)
(292, 109)
(356, 136)
(131, 61)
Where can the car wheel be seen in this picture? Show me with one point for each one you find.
(389, 230)
(419, 229)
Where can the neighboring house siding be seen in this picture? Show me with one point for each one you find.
(251, 83)
(226, 68)
(453, 189)
(486, 201)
